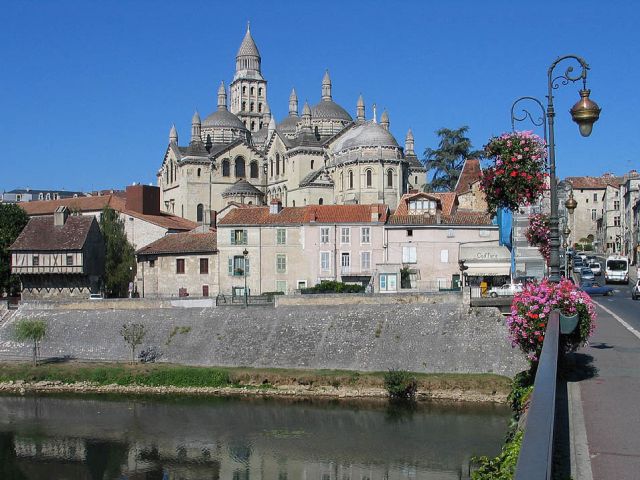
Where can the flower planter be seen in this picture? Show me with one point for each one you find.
(568, 323)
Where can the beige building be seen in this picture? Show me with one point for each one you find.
(470, 196)
(285, 249)
(179, 265)
(589, 193)
(320, 157)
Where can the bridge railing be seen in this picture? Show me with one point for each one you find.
(536, 453)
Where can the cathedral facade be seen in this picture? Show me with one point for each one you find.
(239, 153)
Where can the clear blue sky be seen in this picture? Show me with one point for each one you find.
(89, 90)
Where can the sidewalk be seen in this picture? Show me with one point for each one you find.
(604, 389)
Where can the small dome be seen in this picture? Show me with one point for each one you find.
(289, 124)
(223, 118)
(368, 134)
(330, 110)
(241, 187)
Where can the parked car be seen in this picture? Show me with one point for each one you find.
(525, 279)
(577, 264)
(591, 258)
(594, 288)
(635, 291)
(505, 290)
(586, 274)
(595, 268)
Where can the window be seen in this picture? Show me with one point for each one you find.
(416, 182)
(239, 266)
(244, 89)
(253, 126)
(35, 260)
(239, 170)
(341, 181)
(199, 171)
(204, 265)
(320, 201)
(365, 261)
(239, 237)
(409, 254)
(260, 91)
(617, 193)
(345, 262)
(40, 196)
(389, 178)
(312, 162)
(595, 197)
(253, 90)
(244, 106)
(251, 107)
(586, 200)
(225, 168)
(325, 261)
(616, 205)
(409, 233)
(365, 235)
(277, 164)
(483, 233)
(616, 221)
(205, 290)
(444, 256)
(271, 162)
(180, 265)
(418, 206)
(324, 235)
(388, 282)
(593, 214)
(259, 107)
(281, 263)
(345, 235)
(281, 286)
(254, 169)
(152, 263)
(199, 213)
(69, 260)
(281, 236)
(350, 179)
(451, 233)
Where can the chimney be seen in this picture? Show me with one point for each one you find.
(143, 199)
(375, 215)
(276, 206)
(60, 216)
(314, 216)
(213, 218)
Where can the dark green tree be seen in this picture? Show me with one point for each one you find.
(12, 221)
(31, 330)
(120, 262)
(447, 160)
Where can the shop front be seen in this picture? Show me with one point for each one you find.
(486, 266)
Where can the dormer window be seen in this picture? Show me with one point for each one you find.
(422, 206)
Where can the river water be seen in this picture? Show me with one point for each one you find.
(62, 437)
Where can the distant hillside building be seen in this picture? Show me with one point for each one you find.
(19, 195)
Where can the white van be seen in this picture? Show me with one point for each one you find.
(616, 269)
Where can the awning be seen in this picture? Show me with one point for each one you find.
(486, 260)
(488, 270)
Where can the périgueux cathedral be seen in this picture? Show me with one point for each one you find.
(239, 153)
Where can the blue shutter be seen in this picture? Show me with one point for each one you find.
(230, 265)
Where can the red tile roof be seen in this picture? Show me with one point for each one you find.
(448, 200)
(458, 218)
(96, 204)
(470, 174)
(42, 235)
(594, 182)
(181, 243)
(306, 214)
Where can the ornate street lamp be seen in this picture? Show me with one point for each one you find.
(584, 113)
(539, 122)
(565, 233)
(245, 254)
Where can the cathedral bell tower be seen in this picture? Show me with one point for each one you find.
(249, 88)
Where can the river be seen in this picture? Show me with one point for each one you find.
(98, 437)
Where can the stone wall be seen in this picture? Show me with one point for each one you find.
(416, 337)
(453, 298)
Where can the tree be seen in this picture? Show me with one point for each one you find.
(133, 335)
(31, 330)
(120, 261)
(448, 159)
(12, 220)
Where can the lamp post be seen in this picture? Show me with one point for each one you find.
(541, 121)
(585, 113)
(245, 254)
(565, 234)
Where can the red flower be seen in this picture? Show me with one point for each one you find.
(514, 173)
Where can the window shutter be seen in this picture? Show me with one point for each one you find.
(233, 237)
(444, 256)
(230, 265)
(246, 266)
(244, 237)
(413, 255)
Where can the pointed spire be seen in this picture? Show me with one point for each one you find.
(293, 103)
(306, 116)
(248, 56)
(326, 86)
(408, 144)
(173, 134)
(266, 114)
(384, 120)
(360, 109)
(271, 128)
(375, 115)
(222, 96)
(195, 118)
(195, 127)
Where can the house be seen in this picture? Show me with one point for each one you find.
(181, 264)
(285, 249)
(470, 195)
(59, 256)
(19, 195)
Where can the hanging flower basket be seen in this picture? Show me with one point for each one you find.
(530, 312)
(517, 176)
(538, 234)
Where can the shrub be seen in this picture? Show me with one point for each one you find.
(400, 385)
(334, 287)
(31, 330)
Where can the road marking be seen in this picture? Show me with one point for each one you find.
(620, 320)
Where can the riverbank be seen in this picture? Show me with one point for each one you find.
(166, 379)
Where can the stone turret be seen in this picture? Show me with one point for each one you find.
(306, 117)
(196, 125)
(408, 144)
(293, 103)
(384, 120)
(271, 128)
(266, 116)
(360, 115)
(173, 135)
(222, 97)
(326, 86)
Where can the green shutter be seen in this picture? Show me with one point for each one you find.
(247, 270)
(244, 237)
(233, 237)
(230, 265)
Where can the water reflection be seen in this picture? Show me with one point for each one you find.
(226, 438)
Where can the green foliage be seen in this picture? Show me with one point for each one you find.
(334, 287)
(31, 330)
(521, 389)
(120, 262)
(400, 384)
(133, 335)
(175, 331)
(503, 466)
(447, 160)
(12, 220)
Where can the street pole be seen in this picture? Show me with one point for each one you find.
(245, 253)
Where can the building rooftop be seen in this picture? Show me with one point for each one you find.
(470, 174)
(307, 214)
(182, 243)
(41, 234)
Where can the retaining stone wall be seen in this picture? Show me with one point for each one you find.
(417, 337)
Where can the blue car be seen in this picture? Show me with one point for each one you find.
(586, 274)
(593, 288)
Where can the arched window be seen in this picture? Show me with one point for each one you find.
(200, 213)
(225, 168)
(320, 201)
(271, 161)
(311, 164)
(416, 180)
(283, 164)
(294, 203)
(253, 90)
(166, 176)
(260, 91)
(350, 179)
(341, 181)
(369, 178)
(244, 106)
(251, 107)
(277, 164)
(239, 169)
(253, 169)
(199, 171)
(244, 89)
(259, 107)
(389, 178)
(253, 126)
